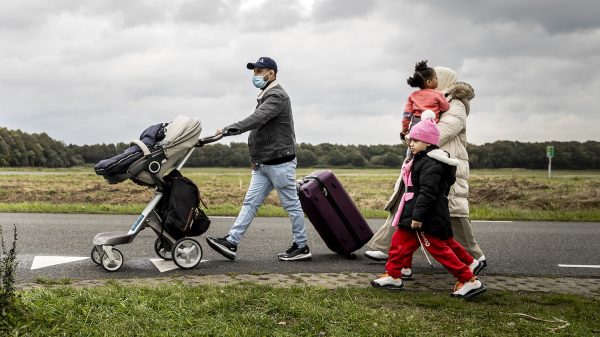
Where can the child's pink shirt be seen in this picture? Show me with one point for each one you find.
(424, 99)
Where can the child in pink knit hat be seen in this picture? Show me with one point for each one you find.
(423, 217)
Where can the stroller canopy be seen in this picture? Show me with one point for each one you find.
(180, 135)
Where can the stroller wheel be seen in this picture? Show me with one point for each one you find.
(95, 256)
(163, 249)
(112, 265)
(187, 253)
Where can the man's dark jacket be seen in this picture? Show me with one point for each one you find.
(272, 126)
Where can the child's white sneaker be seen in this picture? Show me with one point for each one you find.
(469, 289)
(406, 274)
(388, 282)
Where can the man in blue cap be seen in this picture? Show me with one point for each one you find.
(272, 144)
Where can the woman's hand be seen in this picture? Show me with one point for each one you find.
(416, 224)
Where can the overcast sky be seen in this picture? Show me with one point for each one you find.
(88, 72)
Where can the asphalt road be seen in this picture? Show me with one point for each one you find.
(511, 248)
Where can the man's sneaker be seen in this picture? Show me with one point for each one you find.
(376, 255)
(388, 282)
(467, 290)
(476, 267)
(294, 253)
(223, 247)
(406, 274)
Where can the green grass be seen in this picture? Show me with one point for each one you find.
(496, 213)
(80, 208)
(507, 194)
(53, 281)
(72, 208)
(517, 172)
(477, 213)
(254, 310)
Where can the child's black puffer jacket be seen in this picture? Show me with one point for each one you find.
(433, 172)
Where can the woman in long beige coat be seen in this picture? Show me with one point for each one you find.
(453, 138)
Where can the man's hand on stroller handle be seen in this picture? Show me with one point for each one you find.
(227, 131)
(217, 136)
(210, 139)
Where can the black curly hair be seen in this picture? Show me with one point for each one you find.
(423, 73)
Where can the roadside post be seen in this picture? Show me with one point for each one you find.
(550, 154)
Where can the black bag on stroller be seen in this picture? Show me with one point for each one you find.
(180, 209)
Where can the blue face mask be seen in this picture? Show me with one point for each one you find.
(259, 81)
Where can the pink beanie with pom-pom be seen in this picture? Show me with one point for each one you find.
(426, 130)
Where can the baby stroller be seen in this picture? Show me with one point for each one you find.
(153, 161)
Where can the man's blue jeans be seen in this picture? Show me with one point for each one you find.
(282, 178)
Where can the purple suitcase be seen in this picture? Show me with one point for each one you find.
(333, 214)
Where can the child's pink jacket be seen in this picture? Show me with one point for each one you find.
(426, 99)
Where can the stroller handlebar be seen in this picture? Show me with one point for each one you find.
(210, 139)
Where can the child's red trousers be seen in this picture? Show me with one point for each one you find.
(448, 253)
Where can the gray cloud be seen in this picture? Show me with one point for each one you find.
(207, 12)
(19, 15)
(272, 15)
(90, 72)
(331, 10)
(130, 13)
(555, 16)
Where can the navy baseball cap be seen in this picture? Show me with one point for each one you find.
(263, 62)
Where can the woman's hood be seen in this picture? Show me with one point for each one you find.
(446, 77)
(448, 83)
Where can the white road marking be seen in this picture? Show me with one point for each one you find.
(491, 221)
(578, 266)
(166, 265)
(47, 261)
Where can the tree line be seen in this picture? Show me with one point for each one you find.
(20, 149)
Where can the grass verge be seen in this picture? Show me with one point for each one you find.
(496, 213)
(477, 212)
(494, 194)
(256, 310)
(71, 208)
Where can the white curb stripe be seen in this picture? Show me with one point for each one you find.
(501, 221)
(578, 266)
